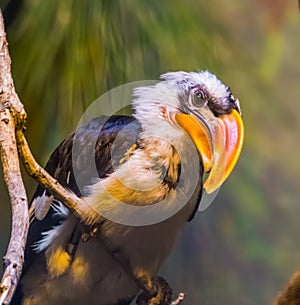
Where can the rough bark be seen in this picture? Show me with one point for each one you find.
(13, 260)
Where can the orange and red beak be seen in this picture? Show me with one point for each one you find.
(219, 142)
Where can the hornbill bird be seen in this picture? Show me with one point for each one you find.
(152, 168)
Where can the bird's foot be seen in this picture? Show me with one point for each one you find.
(160, 293)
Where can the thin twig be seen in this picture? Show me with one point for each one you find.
(70, 200)
(179, 299)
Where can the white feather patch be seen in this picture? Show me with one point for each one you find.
(215, 87)
(40, 206)
(47, 238)
(60, 209)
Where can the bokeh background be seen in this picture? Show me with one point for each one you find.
(66, 53)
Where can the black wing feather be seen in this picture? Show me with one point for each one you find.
(101, 131)
(96, 138)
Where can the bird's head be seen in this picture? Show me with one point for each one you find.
(199, 104)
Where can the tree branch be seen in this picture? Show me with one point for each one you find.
(13, 260)
(70, 200)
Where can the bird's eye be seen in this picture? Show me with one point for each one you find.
(198, 98)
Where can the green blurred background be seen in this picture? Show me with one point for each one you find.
(66, 53)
